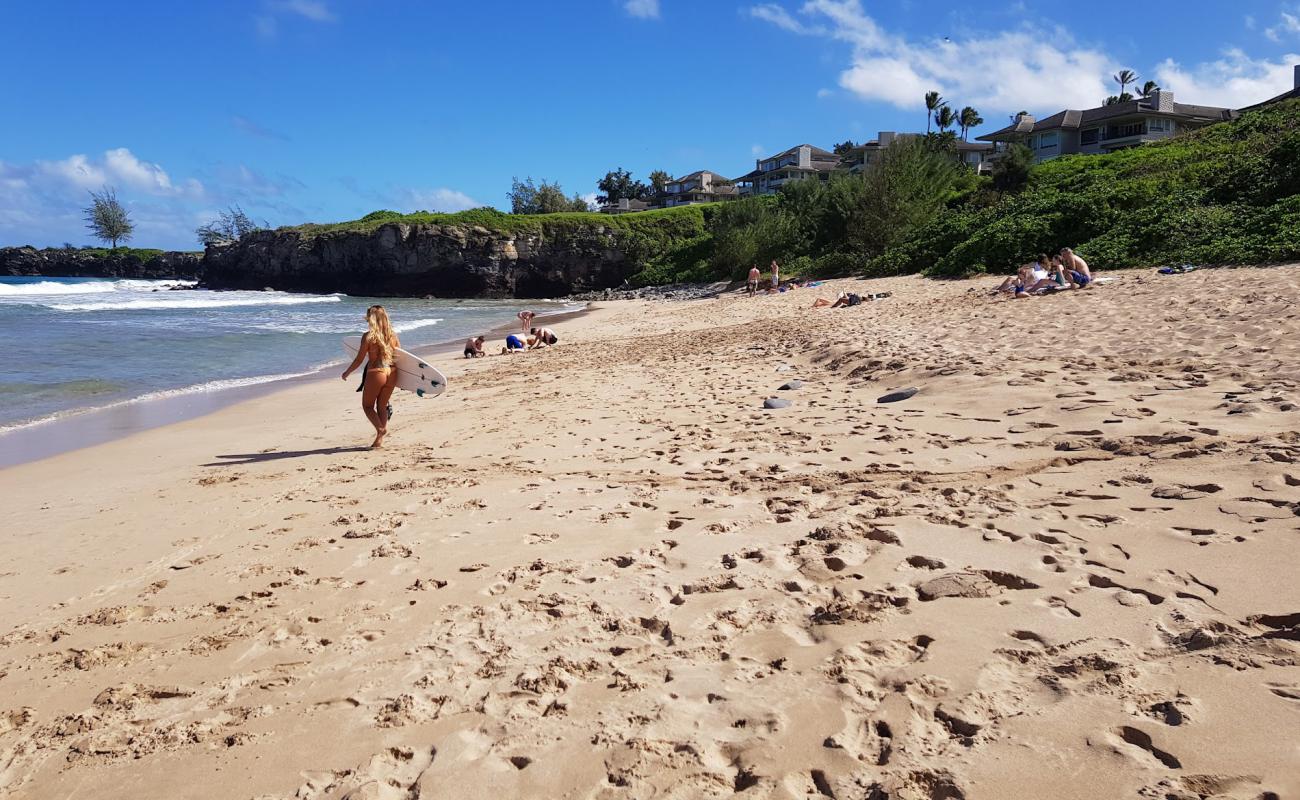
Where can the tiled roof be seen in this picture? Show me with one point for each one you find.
(816, 151)
(1072, 119)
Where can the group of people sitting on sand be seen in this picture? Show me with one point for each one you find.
(535, 338)
(1066, 270)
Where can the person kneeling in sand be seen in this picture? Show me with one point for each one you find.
(844, 299)
(514, 344)
(541, 337)
(474, 348)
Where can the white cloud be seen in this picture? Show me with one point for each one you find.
(824, 93)
(311, 9)
(267, 22)
(1032, 68)
(590, 199)
(41, 201)
(756, 150)
(440, 199)
(119, 167)
(1233, 81)
(778, 16)
(1288, 26)
(642, 9)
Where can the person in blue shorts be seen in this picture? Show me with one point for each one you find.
(514, 345)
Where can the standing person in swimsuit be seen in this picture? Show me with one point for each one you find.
(754, 276)
(776, 275)
(526, 319)
(377, 347)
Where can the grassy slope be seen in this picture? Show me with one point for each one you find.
(1226, 194)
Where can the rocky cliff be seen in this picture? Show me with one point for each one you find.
(99, 263)
(405, 259)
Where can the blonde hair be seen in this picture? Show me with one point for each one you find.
(381, 332)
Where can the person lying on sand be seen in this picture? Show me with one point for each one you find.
(541, 337)
(474, 347)
(844, 299)
(1026, 276)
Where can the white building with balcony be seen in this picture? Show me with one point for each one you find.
(1107, 128)
(798, 163)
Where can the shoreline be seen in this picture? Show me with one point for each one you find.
(75, 429)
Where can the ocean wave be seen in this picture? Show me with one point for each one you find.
(325, 326)
(194, 303)
(198, 388)
(47, 288)
(415, 325)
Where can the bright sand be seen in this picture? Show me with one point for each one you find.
(1066, 568)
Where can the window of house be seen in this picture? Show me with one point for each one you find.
(1048, 140)
(1160, 125)
(1088, 137)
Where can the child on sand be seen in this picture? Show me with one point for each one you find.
(474, 347)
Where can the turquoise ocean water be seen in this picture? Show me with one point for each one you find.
(82, 343)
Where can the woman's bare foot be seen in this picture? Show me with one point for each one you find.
(379, 440)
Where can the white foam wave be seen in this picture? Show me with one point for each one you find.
(53, 288)
(209, 301)
(415, 325)
(48, 288)
(198, 388)
(324, 326)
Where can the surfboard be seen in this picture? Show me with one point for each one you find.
(413, 374)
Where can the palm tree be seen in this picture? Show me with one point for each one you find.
(944, 118)
(932, 103)
(968, 118)
(1149, 88)
(1124, 77)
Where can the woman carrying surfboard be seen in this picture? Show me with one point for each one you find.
(377, 349)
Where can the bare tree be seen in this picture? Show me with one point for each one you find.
(107, 219)
(227, 228)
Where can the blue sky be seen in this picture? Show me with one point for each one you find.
(322, 110)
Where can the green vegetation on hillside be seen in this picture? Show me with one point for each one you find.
(141, 254)
(1227, 194)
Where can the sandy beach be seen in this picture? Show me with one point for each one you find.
(1065, 568)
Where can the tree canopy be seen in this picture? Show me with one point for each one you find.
(527, 197)
(106, 218)
(619, 185)
(659, 180)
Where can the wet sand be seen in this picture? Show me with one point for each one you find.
(1064, 568)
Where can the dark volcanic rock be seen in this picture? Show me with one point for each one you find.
(54, 262)
(403, 259)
